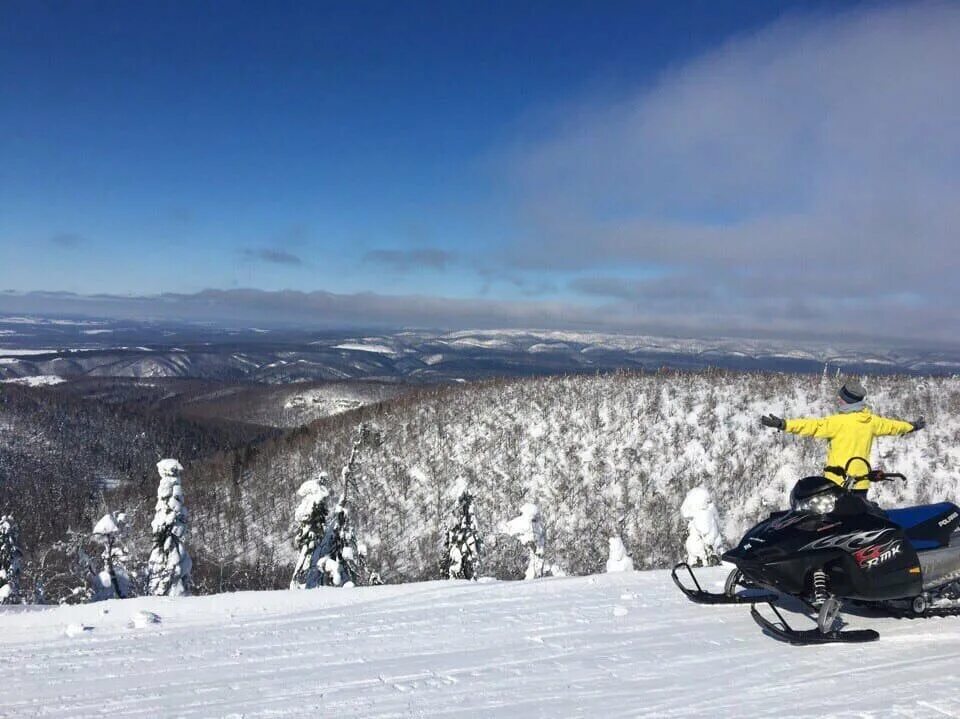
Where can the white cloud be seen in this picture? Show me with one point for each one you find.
(782, 169)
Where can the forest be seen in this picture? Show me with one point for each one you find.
(607, 455)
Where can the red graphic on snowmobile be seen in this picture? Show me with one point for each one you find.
(870, 557)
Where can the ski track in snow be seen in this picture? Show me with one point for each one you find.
(616, 645)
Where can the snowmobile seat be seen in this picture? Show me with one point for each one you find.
(928, 526)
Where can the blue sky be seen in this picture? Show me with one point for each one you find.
(534, 153)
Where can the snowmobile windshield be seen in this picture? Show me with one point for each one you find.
(818, 503)
(814, 494)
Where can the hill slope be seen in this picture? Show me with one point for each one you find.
(610, 645)
(104, 348)
(601, 455)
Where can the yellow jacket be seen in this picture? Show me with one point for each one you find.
(851, 435)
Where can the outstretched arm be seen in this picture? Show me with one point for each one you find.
(885, 426)
(819, 427)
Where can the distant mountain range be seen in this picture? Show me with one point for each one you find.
(51, 347)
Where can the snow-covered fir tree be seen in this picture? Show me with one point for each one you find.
(528, 529)
(170, 564)
(618, 560)
(11, 556)
(463, 544)
(113, 580)
(704, 543)
(343, 559)
(311, 518)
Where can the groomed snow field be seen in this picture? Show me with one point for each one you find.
(614, 645)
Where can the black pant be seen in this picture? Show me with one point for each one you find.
(872, 507)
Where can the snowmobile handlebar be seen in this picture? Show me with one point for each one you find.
(871, 475)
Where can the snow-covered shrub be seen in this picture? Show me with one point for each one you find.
(65, 573)
(170, 564)
(528, 529)
(10, 559)
(81, 579)
(113, 580)
(76, 569)
(463, 544)
(311, 517)
(619, 560)
(704, 541)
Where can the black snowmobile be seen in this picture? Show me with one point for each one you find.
(834, 546)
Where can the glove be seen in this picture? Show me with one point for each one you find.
(919, 423)
(771, 420)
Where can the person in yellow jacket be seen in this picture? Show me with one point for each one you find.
(850, 431)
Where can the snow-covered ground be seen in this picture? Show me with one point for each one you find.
(359, 347)
(616, 645)
(43, 380)
(20, 352)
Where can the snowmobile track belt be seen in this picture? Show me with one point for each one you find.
(927, 614)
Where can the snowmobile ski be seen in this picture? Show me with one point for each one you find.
(785, 633)
(701, 596)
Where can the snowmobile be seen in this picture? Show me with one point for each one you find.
(833, 546)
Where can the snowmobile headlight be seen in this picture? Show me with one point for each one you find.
(818, 503)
